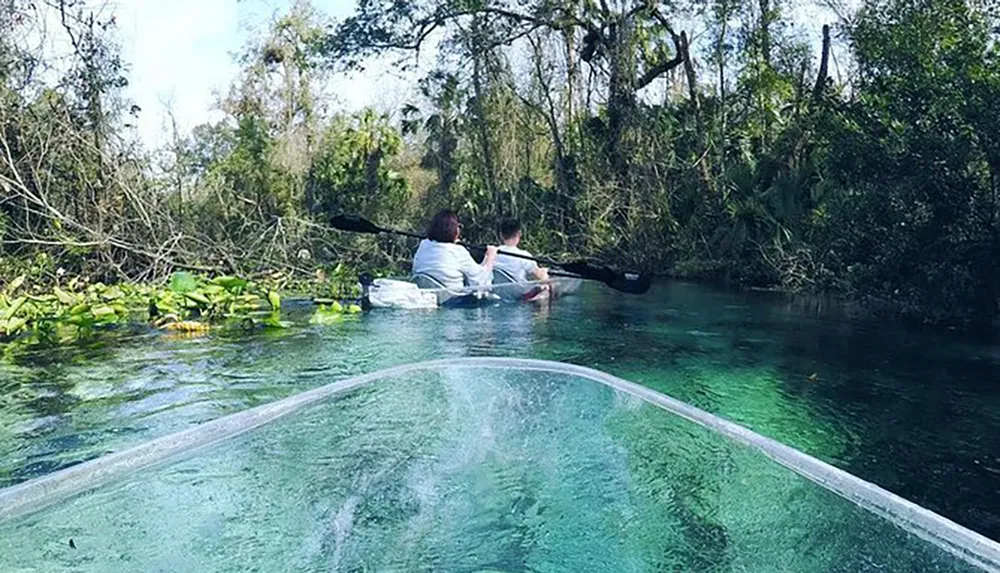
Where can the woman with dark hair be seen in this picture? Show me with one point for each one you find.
(440, 257)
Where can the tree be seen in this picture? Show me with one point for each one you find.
(349, 175)
(626, 42)
(442, 129)
(919, 156)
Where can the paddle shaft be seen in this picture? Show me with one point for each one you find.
(472, 247)
(631, 283)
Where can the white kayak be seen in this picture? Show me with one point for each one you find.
(424, 292)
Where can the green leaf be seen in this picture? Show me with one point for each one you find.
(198, 297)
(102, 311)
(15, 324)
(82, 320)
(183, 282)
(274, 299)
(230, 283)
(274, 321)
(15, 284)
(112, 293)
(324, 317)
(79, 309)
(64, 297)
(14, 307)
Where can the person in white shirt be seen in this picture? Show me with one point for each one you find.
(439, 256)
(521, 269)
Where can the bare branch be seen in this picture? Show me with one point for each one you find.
(657, 71)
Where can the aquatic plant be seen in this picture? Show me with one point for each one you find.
(186, 303)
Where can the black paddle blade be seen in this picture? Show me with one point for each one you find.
(354, 224)
(589, 271)
(630, 283)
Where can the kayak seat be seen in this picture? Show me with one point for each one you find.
(529, 292)
(427, 281)
(500, 276)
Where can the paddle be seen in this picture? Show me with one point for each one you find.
(631, 283)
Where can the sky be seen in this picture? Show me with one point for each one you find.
(180, 57)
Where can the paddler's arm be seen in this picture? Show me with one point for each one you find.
(478, 274)
(540, 273)
(490, 258)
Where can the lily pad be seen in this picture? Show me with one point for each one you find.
(233, 284)
(101, 311)
(64, 297)
(182, 282)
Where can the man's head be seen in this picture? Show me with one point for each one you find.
(510, 232)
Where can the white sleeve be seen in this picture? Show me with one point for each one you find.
(474, 273)
(528, 264)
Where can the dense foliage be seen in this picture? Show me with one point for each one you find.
(241, 195)
(756, 166)
(719, 139)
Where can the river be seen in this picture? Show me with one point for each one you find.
(913, 411)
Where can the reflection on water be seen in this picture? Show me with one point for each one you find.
(915, 412)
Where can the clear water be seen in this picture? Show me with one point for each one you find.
(916, 413)
(466, 469)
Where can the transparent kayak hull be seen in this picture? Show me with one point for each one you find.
(403, 294)
(472, 465)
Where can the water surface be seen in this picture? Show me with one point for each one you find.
(914, 412)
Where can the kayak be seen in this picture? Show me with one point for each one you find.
(423, 292)
(451, 465)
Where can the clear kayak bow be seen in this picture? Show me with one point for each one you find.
(473, 465)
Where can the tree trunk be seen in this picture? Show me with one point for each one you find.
(692, 79)
(550, 114)
(482, 123)
(571, 73)
(824, 66)
(704, 163)
(721, 55)
(765, 31)
(621, 98)
(372, 163)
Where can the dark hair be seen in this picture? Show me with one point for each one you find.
(444, 227)
(509, 228)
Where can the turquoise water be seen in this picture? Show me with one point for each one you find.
(916, 413)
(468, 469)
